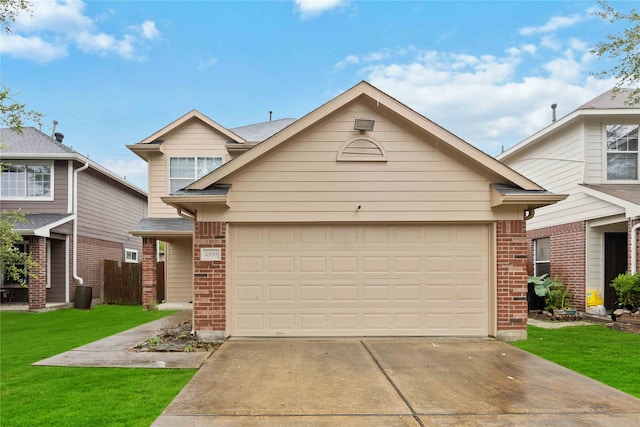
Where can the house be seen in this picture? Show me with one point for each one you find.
(592, 155)
(78, 214)
(361, 218)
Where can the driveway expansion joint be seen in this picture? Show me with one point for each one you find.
(393, 384)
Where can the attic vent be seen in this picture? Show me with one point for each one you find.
(362, 150)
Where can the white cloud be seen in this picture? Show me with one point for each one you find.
(133, 170)
(481, 99)
(31, 48)
(53, 26)
(149, 30)
(207, 63)
(553, 24)
(312, 8)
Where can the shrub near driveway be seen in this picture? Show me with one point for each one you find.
(48, 396)
(609, 356)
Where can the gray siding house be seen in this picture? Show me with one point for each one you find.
(78, 214)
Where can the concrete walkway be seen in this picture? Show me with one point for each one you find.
(115, 351)
(391, 382)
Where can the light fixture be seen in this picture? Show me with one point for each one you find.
(363, 124)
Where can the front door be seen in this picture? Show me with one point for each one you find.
(615, 262)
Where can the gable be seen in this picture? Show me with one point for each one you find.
(309, 178)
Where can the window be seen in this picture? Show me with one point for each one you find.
(130, 255)
(184, 170)
(622, 152)
(541, 256)
(26, 181)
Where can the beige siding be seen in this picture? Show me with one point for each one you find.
(108, 211)
(595, 263)
(577, 207)
(594, 152)
(193, 139)
(302, 181)
(179, 270)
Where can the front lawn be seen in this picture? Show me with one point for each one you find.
(609, 356)
(52, 396)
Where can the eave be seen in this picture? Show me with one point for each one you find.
(190, 203)
(143, 150)
(527, 201)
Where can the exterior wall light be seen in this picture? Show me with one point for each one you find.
(363, 124)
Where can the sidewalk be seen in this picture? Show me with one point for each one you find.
(115, 351)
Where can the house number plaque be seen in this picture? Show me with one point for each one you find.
(210, 254)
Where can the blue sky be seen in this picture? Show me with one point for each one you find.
(114, 72)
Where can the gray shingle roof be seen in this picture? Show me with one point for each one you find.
(35, 221)
(608, 100)
(628, 192)
(261, 131)
(164, 225)
(31, 141)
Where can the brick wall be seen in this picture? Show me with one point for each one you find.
(567, 257)
(633, 222)
(149, 272)
(511, 279)
(91, 253)
(38, 274)
(209, 281)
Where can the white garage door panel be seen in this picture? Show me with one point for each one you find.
(359, 280)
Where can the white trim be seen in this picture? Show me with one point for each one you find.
(605, 153)
(67, 264)
(48, 244)
(631, 209)
(70, 186)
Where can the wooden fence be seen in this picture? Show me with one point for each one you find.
(123, 283)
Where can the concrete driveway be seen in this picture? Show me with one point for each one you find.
(391, 382)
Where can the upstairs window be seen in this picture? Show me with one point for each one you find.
(184, 170)
(622, 152)
(20, 181)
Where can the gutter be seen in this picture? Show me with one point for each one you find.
(75, 222)
(634, 248)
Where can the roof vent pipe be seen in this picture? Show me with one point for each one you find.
(553, 112)
(270, 113)
(53, 131)
(59, 136)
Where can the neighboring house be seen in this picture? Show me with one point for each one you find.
(361, 218)
(39, 177)
(592, 155)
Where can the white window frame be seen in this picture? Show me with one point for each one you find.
(606, 152)
(27, 163)
(537, 261)
(196, 175)
(127, 258)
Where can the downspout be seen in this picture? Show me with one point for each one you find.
(529, 213)
(189, 215)
(75, 222)
(634, 248)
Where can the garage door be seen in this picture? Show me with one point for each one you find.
(345, 280)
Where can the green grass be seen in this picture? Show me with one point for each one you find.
(609, 356)
(52, 396)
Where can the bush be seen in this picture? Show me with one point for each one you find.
(627, 288)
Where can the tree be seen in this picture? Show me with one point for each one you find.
(14, 264)
(623, 47)
(9, 9)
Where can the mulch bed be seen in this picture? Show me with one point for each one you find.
(555, 317)
(176, 339)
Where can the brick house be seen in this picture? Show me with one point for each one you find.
(78, 214)
(361, 218)
(592, 155)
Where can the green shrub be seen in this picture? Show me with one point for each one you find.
(627, 288)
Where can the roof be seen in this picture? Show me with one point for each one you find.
(507, 195)
(261, 131)
(382, 100)
(607, 103)
(163, 227)
(34, 144)
(41, 224)
(626, 192)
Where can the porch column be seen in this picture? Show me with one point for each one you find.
(511, 280)
(149, 272)
(209, 280)
(632, 223)
(38, 274)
